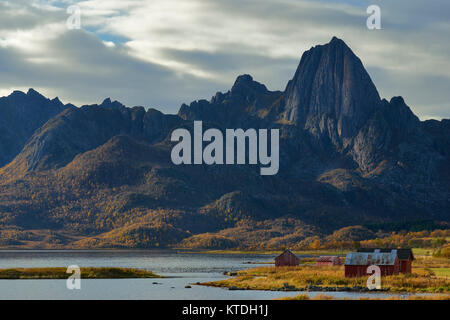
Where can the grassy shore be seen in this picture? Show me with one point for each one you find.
(86, 273)
(441, 272)
(430, 275)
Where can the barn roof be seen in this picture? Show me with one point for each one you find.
(403, 254)
(371, 258)
(287, 251)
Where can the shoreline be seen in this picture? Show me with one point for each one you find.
(86, 273)
(269, 252)
(311, 278)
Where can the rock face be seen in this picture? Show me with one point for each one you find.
(331, 93)
(346, 158)
(245, 104)
(382, 135)
(77, 130)
(20, 115)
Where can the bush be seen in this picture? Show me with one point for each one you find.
(443, 252)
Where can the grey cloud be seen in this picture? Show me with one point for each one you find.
(20, 15)
(415, 38)
(432, 100)
(231, 64)
(92, 71)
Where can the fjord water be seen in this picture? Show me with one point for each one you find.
(180, 268)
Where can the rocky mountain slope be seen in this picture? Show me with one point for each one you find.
(101, 175)
(20, 115)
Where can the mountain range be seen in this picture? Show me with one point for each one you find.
(101, 176)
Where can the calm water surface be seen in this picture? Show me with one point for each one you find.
(181, 269)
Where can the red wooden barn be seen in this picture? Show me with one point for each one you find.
(287, 258)
(356, 263)
(328, 261)
(405, 256)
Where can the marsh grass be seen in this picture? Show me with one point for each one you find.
(441, 272)
(86, 273)
(271, 278)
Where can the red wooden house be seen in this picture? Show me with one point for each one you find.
(287, 258)
(405, 256)
(328, 261)
(356, 263)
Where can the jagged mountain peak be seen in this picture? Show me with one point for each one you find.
(335, 41)
(108, 103)
(331, 85)
(235, 106)
(20, 115)
(22, 96)
(56, 100)
(244, 78)
(105, 167)
(245, 83)
(33, 93)
(32, 98)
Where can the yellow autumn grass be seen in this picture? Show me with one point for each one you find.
(87, 273)
(271, 278)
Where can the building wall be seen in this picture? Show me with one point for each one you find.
(355, 271)
(333, 262)
(286, 259)
(405, 266)
(361, 271)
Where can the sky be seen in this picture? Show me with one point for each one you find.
(162, 53)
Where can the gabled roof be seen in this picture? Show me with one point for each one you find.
(371, 258)
(403, 254)
(287, 251)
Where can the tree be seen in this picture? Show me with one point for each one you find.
(315, 245)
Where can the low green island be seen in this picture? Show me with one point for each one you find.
(86, 273)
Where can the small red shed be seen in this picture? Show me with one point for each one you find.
(328, 261)
(287, 258)
(405, 256)
(356, 263)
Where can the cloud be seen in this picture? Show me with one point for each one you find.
(81, 69)
(162, 53)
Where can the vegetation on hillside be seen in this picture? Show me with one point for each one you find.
(124, 195)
